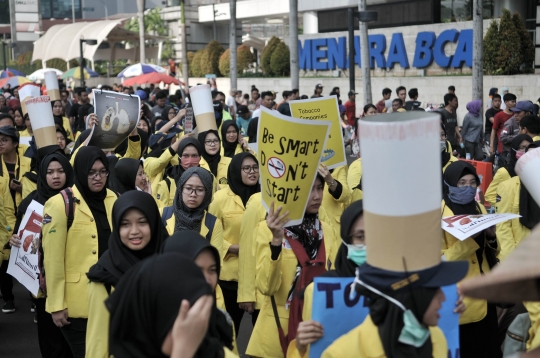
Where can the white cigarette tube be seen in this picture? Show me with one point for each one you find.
(41, 117)
(203, 107)
(51, 83)
(27, 91)
(528, 169)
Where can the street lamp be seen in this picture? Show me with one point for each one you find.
(81, 62)
(10, 45)
(365, 17)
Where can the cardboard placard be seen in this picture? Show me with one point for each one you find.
(326, 109)
(203, 108)
(42, 119)
(289, 152)
(528, 169)
(188, 120)
(464, 226)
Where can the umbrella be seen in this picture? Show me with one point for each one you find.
(39, 74)
(153, 77)
(140, 69)
(10, 72)
(75, 72)
(13, 81)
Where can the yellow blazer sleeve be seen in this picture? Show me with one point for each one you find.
(67, 128)
(28, 186)
(97, 330)
(74, 155)
(4, 234)
(162, 193)
(54, 249)
(134, 148)
(507, 191)
(217, 238)
(340, 174)
(454, 249)
(491, 194)
(354, 174)
(154, 167)
(215, 209)
(268, 276)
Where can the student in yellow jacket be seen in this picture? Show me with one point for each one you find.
(170, 308)
(338, 196)
(519, 146)
(447, 157)
(228, 207)
(60, 120)
(478, 325)
(137, 233)
(69, 252)
(277, 266)
(217, 163)
(232, 141)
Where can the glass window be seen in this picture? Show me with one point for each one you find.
(60, 9)
(462, 10)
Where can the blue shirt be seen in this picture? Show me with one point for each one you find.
(243, 124)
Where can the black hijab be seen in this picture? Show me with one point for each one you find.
(125, 174)
(44, 191)
(220, 332)
(228, 147)
(112, 265)
(234, 177)
(212, 160)
(253, 126)
(85, 159)
(146, 302)
(177, 170)
(528, 208)
(510, 167)
(452, 174)
(161, 147)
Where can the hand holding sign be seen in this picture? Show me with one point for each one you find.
(276, 222)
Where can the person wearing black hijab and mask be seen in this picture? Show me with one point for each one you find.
(144, 311)
(478, 324)
(206, 256)
(129, 175)
(55, 174)
(216, 163)
(228, 206)
(232, 144)
(137, 233)
(519, 145)
(70, 249)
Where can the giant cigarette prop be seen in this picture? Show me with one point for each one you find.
(41, 117)
(203, 107)
(51, 83)
(528, 169)
(27, 91)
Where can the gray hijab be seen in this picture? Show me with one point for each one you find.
(187, 218)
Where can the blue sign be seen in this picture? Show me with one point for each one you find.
(339, 314)
(331, 53)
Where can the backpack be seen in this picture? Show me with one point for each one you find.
(517, 335)
(209, 220)
(309, 270)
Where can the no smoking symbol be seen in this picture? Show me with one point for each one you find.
(276, 167)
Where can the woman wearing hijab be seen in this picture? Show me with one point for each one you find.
(519, 145)
(137, 234)
(70, 249)
(472, 131)
(228, 207)
(55, 174)
(207, 257)
(287, 260)
(63, 141)
(217, 163)
(232, 144)
(253, 126)
(60, 119)
(191, 201)
(144, 311)
(129, 175)
(478, 324)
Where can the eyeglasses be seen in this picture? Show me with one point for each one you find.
(523, 148)
(187, 156)
(212, 142)
(247, 169)
(102, 173)
(4, 140)
(190, 190)
(462, 183)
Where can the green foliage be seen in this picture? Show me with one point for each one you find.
(266, 55)
(527, 47)
(492, 41)
(510, 45)
(244, 58)
(225, 63)
(168, 51)
(195, 64)
(280, 60)
(210, 58)
(153, 23)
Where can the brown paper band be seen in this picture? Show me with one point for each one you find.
(54, 94)
(45, 136)
(206, 121)
(23, 105)
(417, 238)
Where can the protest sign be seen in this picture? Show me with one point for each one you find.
(528, 169)
(41, 116)
(188, 120)
(326, 109)
(203, 108)
(464, 226)
(289, 153)
(339, 313)
(23, 262)
(118, 114)
(51, 83)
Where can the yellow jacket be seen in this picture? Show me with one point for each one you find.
(334, 207)
(510, 232)
(8, 211)
(22, 166)
(452, 159)
(217, 234)
(97, 329)
(364, 342)
(222, 169)
(28, 186)
(274, 278)
(354, 174)
(454, 249)
(236, 151)
(533, 308)
(502, 175)
(68, 255)
(67, 128)
(155, 167)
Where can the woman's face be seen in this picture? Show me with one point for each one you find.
(140, 180)
(206, 262)
(58, 109)
(193, 192)
(523, 146)
(431, 316)
(357, 235)
(467, 180)
(143, 125)
(61, 140)
(56, 177)
(97, 177)
(171, 113)
(190, 157)
(250, 171)
(2, 101)
(134, 230)
(315, 197)
(18, 118)
(232, 134)
(28, 124)
(211, 144)
(371, 111)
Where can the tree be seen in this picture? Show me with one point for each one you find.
(195, 65)
(225, 63)
(492, 41)
(266, 55)
(280, 60)
(210, 58)
(244, 59)
(509, 49)
(527, 47)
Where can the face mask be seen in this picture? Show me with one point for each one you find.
(519, 154)
(188, 163)
(443, 145)
(463, 195)
(356, 253)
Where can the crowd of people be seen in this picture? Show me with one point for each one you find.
(160, 247)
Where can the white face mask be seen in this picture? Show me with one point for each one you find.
(443, 145)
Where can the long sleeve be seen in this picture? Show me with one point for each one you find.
(491, 194)
(505, 233)
(466, 125)
(134, 148)
(268, 270)
(97, 330)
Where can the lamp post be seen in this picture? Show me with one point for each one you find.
(81, 61)
(10, 45)
(365, 17)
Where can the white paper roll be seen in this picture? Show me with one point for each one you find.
(41, 117)
(201, 99)
(51, 83)
(528, 169)
(28, 91)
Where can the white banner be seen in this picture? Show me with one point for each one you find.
(465, 226)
